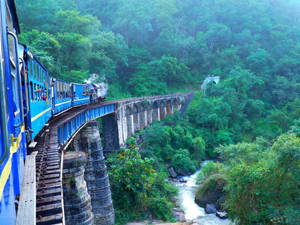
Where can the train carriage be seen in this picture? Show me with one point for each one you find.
(81, 94)
(39, 91)
(62, 96)
(12, 126)
(29, 97)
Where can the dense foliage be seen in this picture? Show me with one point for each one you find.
(137, 188)
(263, 181)
(155, 47)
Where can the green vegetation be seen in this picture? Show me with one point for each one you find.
(137, 188)
(263, 181)
(156, 47)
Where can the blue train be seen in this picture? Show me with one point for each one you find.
(29, 98)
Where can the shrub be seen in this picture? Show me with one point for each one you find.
(182, 160)
(208, 169)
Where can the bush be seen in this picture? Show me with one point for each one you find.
(137, 188)
(182, 160)
(208, 169)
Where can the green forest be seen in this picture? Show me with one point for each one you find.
(250, 119)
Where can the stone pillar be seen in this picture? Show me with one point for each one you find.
(77, 201)
(132, 125)
(110, 133)
(88, 140)
(149, 115)
(145, 118)
(158, 114)
(122, 128)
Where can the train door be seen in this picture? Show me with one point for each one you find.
(25, 89)
(72, 95)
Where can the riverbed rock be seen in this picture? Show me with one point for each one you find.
(179, 215)
(172, 172)
(182, 172)
(210, 208)
(222, 215)
(211, 191)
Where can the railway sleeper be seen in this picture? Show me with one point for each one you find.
(51, 219)
(49, 192)
(47, 210)
(42, 186)
(48, 200)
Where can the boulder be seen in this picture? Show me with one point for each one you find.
(210, 208)
(211, 191)
(182, 172)
(172, 172)
(222, 215)
(179, 215)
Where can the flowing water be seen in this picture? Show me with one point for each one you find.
(193, 212)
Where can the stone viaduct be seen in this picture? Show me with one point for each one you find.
(84, 168)
(68, 165)
(134, 115)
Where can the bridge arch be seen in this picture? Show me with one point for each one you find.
(136, 118)
(155, 111)
(176, 103)
(142, 118)
(162, 110)
(129, 121)
(149, 113)
(169, 107)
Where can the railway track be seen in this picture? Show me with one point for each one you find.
(49, 204)
(49, 158)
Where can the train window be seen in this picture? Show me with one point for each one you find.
(35, 97)
(39, 92)
(56, 89)
(10, 39)
(31, 91)
(15, 94)
(60, 90)
(30, 69)
(34, 70)
(63, 90)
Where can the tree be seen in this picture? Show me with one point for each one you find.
(263, 181)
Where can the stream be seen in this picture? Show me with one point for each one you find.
(193, 212)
